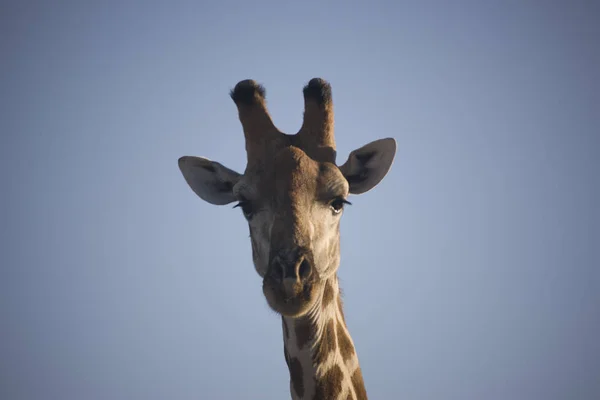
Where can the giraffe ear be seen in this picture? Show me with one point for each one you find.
(208, 179)
(367, 166)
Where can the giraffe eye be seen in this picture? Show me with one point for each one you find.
(337, 205)
(246, 208)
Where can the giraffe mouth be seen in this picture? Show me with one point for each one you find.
(289, 300)
(305, 292)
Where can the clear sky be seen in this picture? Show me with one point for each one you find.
(471, 272)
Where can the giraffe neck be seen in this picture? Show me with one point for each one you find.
(320, 353)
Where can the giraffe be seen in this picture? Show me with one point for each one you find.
(293, 194)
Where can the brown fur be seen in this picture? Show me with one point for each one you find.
(330, 385)
(327, 344)
(317, 128)
(344, 343)
(303, 332)
(263, 138)
(327, 296)
(296, 376)
(359, 385)
(259, 130)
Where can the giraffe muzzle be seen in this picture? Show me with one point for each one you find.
(288, 283)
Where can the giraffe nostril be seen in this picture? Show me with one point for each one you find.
(304, 269)
(293, 266)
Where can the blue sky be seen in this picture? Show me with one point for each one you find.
(471, 271)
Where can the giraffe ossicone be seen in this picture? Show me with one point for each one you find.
(293, 194)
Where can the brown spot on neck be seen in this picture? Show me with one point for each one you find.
(327, 344)
(344, 342)
(359, 385)
(296, 376)
(330, 385)
(304, 331)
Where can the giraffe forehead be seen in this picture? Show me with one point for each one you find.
(294, 172)
(292, 159)
(297, 175)
(290, 176)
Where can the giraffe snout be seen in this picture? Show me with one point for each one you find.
(289, 284)
(291, 268)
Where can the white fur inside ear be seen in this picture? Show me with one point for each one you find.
(367, 166)
(210, 180)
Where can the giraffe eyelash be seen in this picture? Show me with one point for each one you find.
(337, 205)
(246, 208)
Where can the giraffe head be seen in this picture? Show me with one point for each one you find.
(292, 193)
